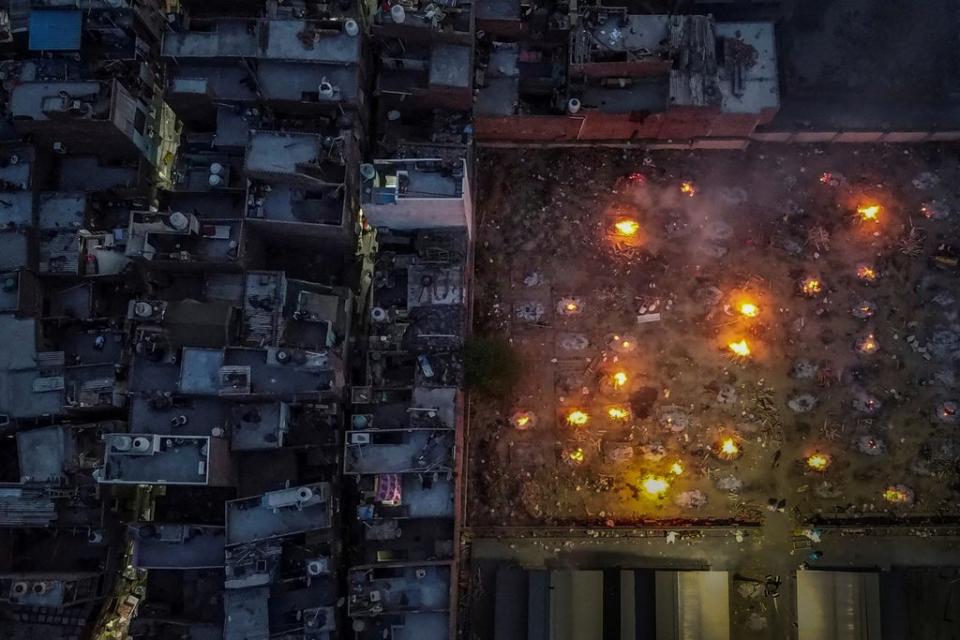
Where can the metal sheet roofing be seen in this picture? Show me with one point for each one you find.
(55, 29)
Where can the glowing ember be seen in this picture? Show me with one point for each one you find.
(866, 273)
(947, 412)
(749, 310)
(868, 344)
(676, 468)
(729, 448)
(655, 486)
(569, 306)
(811, 286)
(818, 461)
(627, 227)
(869, 212)
(688, 189)
(898, 494)
(576, 456)
(619, 379)
(831, 179)
(863, 310)
(623, 344)
(618, 413)
(740, 349)
(522, 420)
(577, 418)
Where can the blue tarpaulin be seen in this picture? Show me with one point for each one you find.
(55, 30)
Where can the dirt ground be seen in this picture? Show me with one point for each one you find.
(857, 371)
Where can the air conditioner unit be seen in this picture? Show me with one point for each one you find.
(121, 443)
(359, 438)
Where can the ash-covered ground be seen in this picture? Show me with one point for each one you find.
(598, 263)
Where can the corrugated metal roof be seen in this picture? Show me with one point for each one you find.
(55, 29)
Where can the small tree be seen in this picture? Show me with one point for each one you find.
(491, 366)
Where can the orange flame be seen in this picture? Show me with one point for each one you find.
(655, 486)
(618, 413)
(576, 456)
(869, 212)
(818, 461)
(577, 418)
(619, 379)
(893, 494)
(688, 189)
(627, 227)
(740, 348)
(811, 286)
(866, 273)
(729, 448)
(676, 468)
(749, 310)
(868, 344)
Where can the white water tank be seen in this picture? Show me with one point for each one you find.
(214, 180)
(573, 106)
(398, 14)
(179, 221)
(216, 169)
(142, 309)
(142, 444)
(122, 443)
(351, 28)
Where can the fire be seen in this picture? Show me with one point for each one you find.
(571, 306)
(869, 212)
(655, 486)
(749, 310)
(740, 348)
(818, 461)
(729, 448)
(618, 413)
(522, 420)
(868, 344)
(577, 418)
(866, 273)
(627, 227)
(676, 468)
(688, 189)
(576, 456)
(619, 379)
(811, 286)
(897, 494)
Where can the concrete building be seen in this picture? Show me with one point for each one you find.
(620, 76)
(153, 459)
(302, 185)
(302, 67)
(63, 115)
(418, 193)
